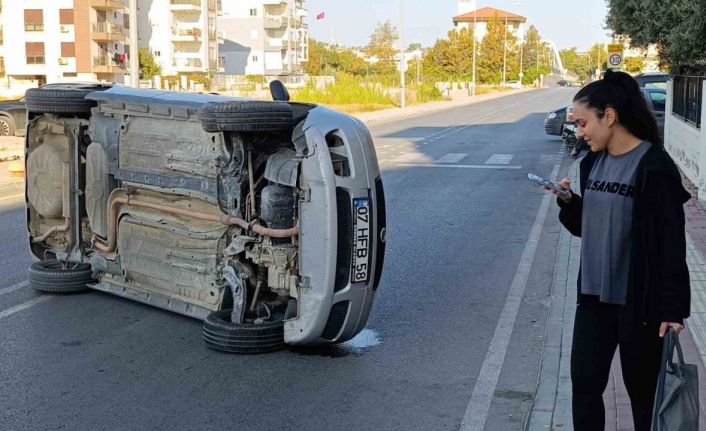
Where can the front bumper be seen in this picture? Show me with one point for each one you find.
(340, 166)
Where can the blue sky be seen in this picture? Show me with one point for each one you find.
(567, 23)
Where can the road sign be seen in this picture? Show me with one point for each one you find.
(615, 56)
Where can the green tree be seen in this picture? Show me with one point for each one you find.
(634, 64)
(148, 67)
(677, 27)
(452, 58)
(316, 58)
(382, 46)
(490, 61)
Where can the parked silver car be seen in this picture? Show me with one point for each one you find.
(264, 219)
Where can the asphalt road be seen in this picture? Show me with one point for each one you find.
(460, 238)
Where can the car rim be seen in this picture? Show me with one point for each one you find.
(4, 128)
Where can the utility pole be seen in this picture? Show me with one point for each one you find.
(134, 53)
(505, 50)
(475, 26)
(402, 59)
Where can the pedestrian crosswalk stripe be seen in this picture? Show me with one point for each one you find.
(452, 158)
(499, 159)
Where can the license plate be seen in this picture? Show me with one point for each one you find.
(361, 240)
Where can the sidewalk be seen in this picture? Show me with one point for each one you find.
(552, 404)
(391, 114)
(11, 153)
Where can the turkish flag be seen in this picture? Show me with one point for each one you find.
(322, 15)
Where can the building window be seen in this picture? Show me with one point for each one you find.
(66, 16)
(34, 52)
(68, 49)
(254, 58)
(157, 53)
(70, 74)
(253, 12)
(34, 20)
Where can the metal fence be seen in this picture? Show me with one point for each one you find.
(686, 99)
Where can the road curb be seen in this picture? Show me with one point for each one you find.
(551, 406)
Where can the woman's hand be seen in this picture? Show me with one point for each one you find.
(564, 184)
(666, 325)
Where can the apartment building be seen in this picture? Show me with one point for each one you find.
(46, 41)
(264, 37)
(180, 34)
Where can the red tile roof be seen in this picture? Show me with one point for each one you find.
(487, 13)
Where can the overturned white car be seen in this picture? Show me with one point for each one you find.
(264, 219)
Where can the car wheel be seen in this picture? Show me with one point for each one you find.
(6, 127)
(246, 116)
(54, 276)
(61, 100)
(222, 334)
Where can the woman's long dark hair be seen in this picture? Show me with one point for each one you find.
(620, 91)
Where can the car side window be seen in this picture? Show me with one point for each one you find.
(658, 100)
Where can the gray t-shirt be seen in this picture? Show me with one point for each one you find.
(607, 224)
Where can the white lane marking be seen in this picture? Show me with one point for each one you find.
(479, 405)
(429, 165)
(499, 159)
(452, 158)
(24, 305)
(18, 286)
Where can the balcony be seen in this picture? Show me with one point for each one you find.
(186, 35)
(221, 35)
(274, 44)
(105, 64)
(185, 5)
(107, 32)
(219, 8)
(107, 4)
(187, 64)
(274, 21)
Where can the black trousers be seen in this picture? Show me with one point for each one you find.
(598, 330)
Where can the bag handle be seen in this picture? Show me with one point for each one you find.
(671, 345)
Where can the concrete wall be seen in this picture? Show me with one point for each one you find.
(685, 144)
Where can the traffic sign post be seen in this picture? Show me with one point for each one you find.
(615, 56)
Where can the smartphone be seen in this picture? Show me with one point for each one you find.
(547, 183)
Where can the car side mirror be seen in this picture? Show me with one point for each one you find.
(279, 91)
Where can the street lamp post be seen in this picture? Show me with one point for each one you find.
(402, 59)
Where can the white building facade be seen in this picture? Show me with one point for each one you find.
(468, 18)
(264, 37)
(180, 34)
(45, 41)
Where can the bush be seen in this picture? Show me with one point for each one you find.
(346, 91)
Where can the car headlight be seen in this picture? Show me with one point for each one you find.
(551, 115)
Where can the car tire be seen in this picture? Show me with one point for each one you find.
(246, 116)
(7, 128)
(52, 277)
(61, 100)
(220, 333)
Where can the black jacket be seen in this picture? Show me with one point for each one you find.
(658, 280)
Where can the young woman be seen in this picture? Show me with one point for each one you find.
(634, 281)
